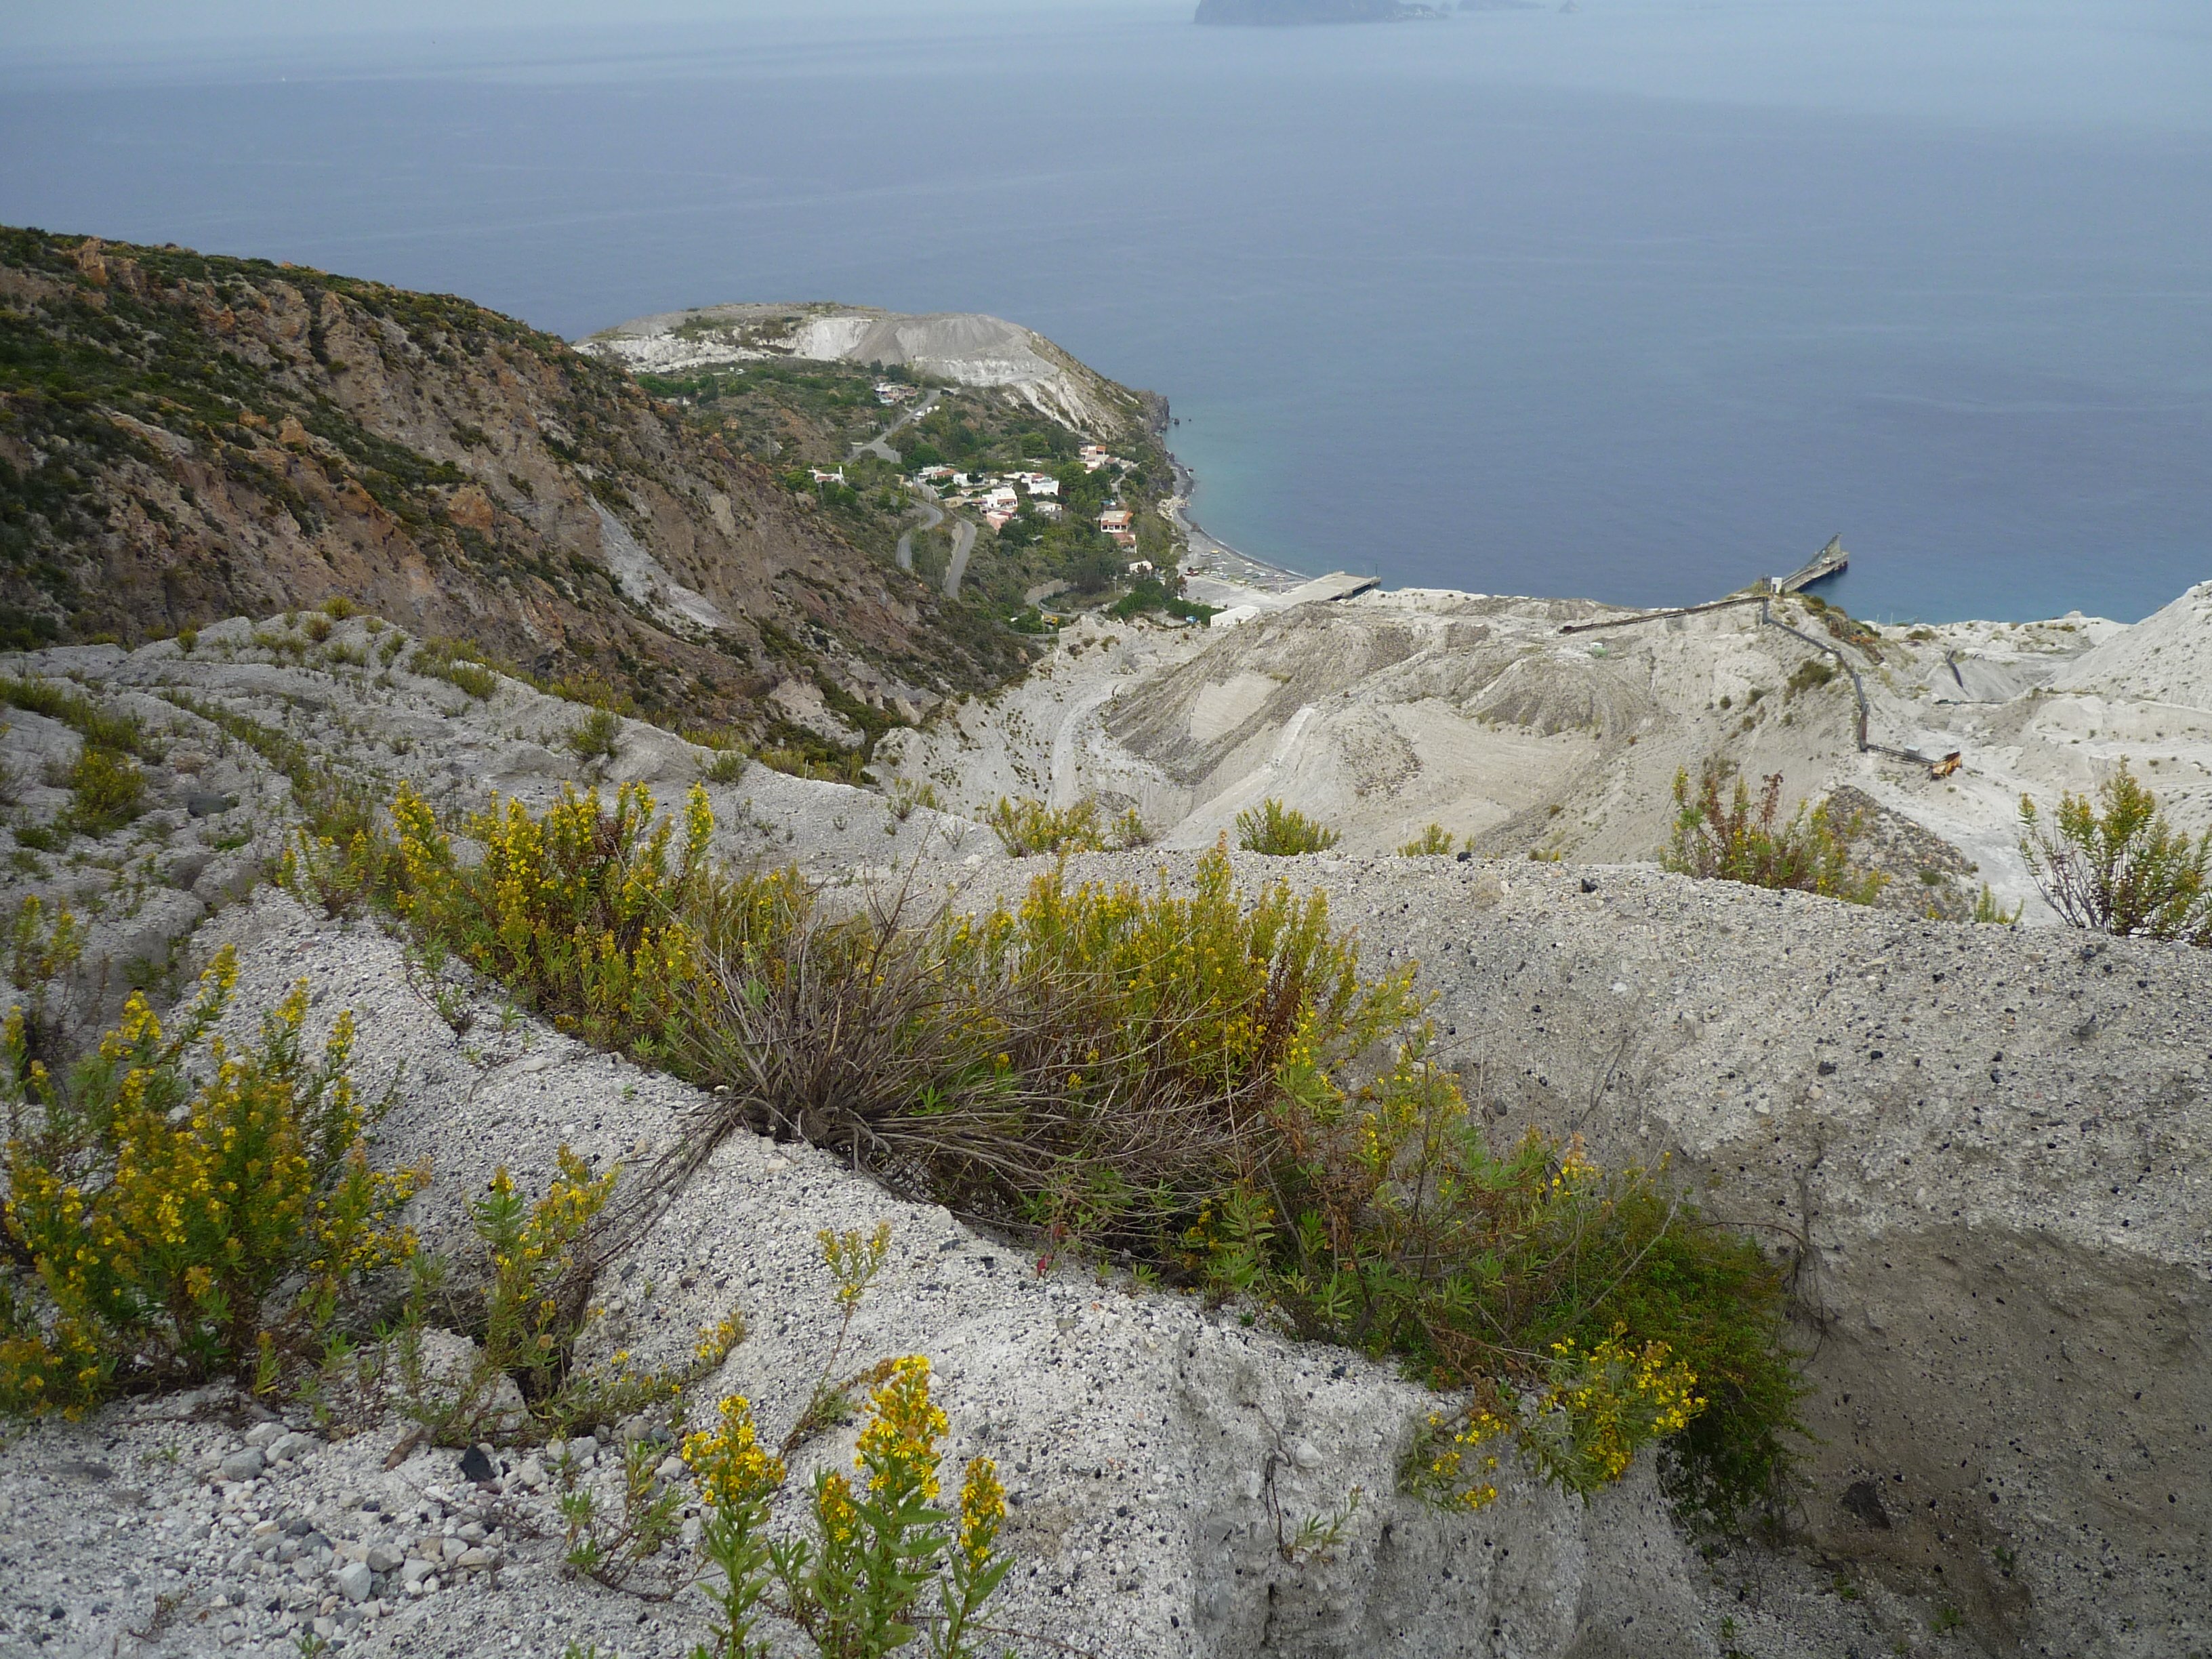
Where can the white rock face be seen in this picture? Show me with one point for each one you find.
(965, 348)
(2165, 659)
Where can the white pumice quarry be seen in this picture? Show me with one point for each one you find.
(1981, 1153)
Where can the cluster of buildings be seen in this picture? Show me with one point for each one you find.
(998, 496)
(889, 392)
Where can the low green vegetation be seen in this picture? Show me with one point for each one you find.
(1432, 842)
(1026, 827)
(458, 663)
(2114, 864)
(1281, 831)
(1720, 835)
(100, 727)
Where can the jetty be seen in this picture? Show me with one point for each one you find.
(1828, 562)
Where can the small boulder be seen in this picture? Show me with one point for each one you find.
(355, 1581)
(264, 1435)
(246, 1464)
(286, 1447)
(382, 1557)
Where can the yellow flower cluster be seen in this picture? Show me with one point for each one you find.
(836, 1509)
(898, 1448)
(1614, 1399)
(715, 1342)
(982, 1508)
(1465, 1455)
(729, 1464)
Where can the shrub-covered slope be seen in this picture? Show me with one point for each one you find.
(185, 438)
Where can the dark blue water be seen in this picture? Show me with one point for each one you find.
(1636, 303)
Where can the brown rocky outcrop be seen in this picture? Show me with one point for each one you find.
(185, 438)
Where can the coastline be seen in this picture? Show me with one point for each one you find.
(1211, 561)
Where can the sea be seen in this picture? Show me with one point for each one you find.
(1634, 300)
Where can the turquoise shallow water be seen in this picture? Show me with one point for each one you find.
(1636, 303)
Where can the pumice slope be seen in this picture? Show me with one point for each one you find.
(1980, 1152)
(1382, 714)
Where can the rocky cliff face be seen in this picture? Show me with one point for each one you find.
(185, 438)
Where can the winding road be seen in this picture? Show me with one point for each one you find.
(964, 538)
(904, 552)
(879, 447)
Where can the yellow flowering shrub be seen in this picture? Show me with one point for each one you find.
(339, 874)
(42, 954)
(160, 1204)
(1187, 1074)
(584, 908)
(532, 1313)
(855, 1588)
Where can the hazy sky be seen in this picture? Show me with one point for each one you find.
(97, 25)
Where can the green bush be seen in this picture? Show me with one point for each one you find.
(2115, 866)
(1808, 676)
(1026, 827)
(1281, 831)
(728, 767)
(598, 736)
(1722, 837)
(110, 790)
(456, 663)
(1432, 842)
(178, 1210)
